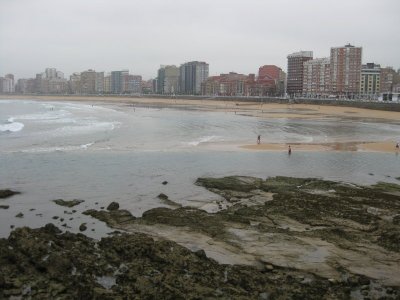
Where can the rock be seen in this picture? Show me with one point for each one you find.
(162, 196)
(19, 215)
(82, 227)
(113, 206)
(113, 217)
(4, 206)
(201, 253)
(68, 203)
(32, 209)
(55, 217)
(7, 193)
(269, 267)
(165, 182)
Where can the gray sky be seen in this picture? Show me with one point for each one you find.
(231, 35)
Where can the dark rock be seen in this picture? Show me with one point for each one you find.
(4, 206)
(7, 193)
(163, 196)
(55, 217)
(32, 209)
(68, 203)
(165, 182)
(19, 215)
(82, 227)
(113, 217)
(201, 253)
(113, 206)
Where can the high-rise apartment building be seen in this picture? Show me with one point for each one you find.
(117, 81)
(346, 70)
(99, 84)
(7, 84)
(192, 75)
(295, 71)
(316, 77)
(88, 82)
(370, 80)
(75, 83)
(388, 78)
(168, 80)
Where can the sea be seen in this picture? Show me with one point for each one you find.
(104, 152)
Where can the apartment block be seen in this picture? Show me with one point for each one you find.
(370, 80)
(316, 77)
(168, 79)
(346, 70)
(295, 71)
(192, 75)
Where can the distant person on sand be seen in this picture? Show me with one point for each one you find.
(397, 146)
(259, 139)
(289, 150)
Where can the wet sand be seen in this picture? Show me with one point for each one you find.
(268, 110)
(388, 147)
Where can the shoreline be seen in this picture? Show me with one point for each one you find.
(255, 109)
(385, 147)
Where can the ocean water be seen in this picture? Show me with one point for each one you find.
(102, 153)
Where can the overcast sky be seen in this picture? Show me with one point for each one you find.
(231, 35)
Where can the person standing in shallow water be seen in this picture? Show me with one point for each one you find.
(289, 150)
(259, 139)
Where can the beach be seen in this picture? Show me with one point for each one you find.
(259, 110)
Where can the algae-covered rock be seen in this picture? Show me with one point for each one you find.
(388, 187)
(68, 203)
(19, 215)
(135, 266)
(4, 206)
(233, 183)
(113, 206)
(7, 193)
(113, 217)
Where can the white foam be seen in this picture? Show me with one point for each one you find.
(11, 126)
(204, 139)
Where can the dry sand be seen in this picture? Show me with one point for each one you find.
(266, 110)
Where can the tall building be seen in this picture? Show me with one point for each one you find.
(388, 78)
(316, 77)
(99, 84)
(75, 83)
(50, 73)
(168, 80)
(295, 71)
(107, 83)
(118, 79)
(192, 75)
(346, 70)
(7, 84)
(88, 82)
(370, 80)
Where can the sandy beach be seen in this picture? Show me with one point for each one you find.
(264, 110)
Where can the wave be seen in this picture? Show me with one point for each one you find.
(204, 139)
(11, 126)
(58, 148)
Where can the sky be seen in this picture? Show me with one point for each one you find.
(230, 35)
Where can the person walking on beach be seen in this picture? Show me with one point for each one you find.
(397, 146)
(259, 139)
(289, 150)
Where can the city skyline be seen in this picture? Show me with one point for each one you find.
(102, 35)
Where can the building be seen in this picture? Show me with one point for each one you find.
(7, 84)
(316, 77)
(388, 79)
(99, 83)
(118, 79)
(295, 71)
(272, 72)
(88, 82)
(75, 83)
(107, 84)
(370, 80)
(346, 70)
(168, 79)
(192, 75)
